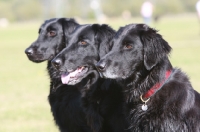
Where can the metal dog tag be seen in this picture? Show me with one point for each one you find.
(144, 107)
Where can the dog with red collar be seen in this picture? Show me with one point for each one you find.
(159, 98)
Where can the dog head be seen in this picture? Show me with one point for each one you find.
(136, 48)
(87, 44)
(51, 40)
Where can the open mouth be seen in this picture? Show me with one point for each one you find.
(74, 76)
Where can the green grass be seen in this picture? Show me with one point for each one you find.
(24, 86)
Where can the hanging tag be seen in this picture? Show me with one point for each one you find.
(144, 107)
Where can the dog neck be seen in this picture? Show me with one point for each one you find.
(142, 81)
(157, 86)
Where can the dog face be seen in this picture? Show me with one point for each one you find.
(51, 39)
(136, 48)
(86, 45)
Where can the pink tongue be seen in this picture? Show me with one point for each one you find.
(65, 77)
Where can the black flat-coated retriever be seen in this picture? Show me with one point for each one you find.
(102, 99)
(64, 100)
(160, 97)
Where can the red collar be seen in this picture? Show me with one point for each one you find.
(156, 87)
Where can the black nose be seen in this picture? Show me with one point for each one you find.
(29, 51)
(101, 66)
(56, 63)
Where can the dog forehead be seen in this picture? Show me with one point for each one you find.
(49, 23)
(81, 31)
(123, 32)
(132, 27)
(84, 29)
(128, 28)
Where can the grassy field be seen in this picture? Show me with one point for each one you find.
(24, 86)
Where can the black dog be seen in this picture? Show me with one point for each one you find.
(64, 99)
(160, 97)
(102, 99)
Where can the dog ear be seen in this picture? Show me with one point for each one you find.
(155, 47)
(104, 35)
(68, 26)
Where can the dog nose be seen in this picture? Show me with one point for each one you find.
(56, 63)
(101, 66)
(29, 51)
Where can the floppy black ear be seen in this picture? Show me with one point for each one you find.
(155, 47)
(68, 26)
(104, 35)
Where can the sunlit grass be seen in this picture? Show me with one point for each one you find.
(183, 34)
(24, 86)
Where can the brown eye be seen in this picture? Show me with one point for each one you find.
(83, 42)
(127, 46)
(51, 33)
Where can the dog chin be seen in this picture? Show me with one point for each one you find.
(109, 75)
(40, 58)
(74, 81)
(36, 60)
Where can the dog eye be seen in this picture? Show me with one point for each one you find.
(82, 42)
(51, 33)
(128, 46)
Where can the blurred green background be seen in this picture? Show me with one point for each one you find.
(24, 85)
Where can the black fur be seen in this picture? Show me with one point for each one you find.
(139, 60)
(102, 99)
(64, 100)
